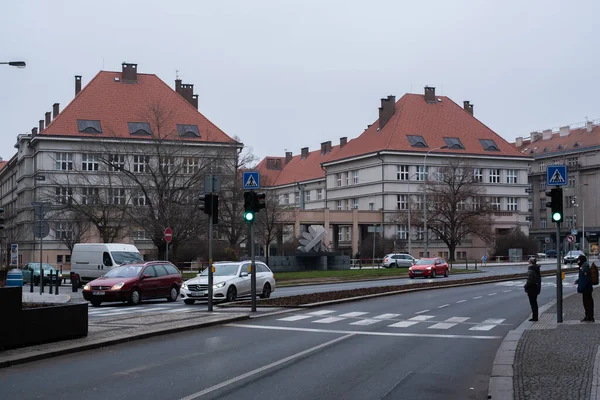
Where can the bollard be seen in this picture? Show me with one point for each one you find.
(50, 289)
(58, 281)
(475, 264)
(467, 264)
(74, 282)
(41, 278)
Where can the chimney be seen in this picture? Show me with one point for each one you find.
(77, 84)
(388, 106)
(325, 147)
(564, 131)
(195, 101)
(288, 157)
(129, 73)
(178, 85)
(547, 134)
(430, 94)
(41, 125)
(589, 126)
(536, 136)
(34, 132)
(468, 106)
(343, 141)
(55, 110)
(48, 115)
(187, 92)
(519, 141)
(304, 153)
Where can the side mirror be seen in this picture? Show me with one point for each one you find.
(243, 274)
(145, 276)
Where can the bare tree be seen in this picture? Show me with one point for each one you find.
(69, 228)
(273, 222)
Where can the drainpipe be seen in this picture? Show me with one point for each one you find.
(301, 201)
(382, 203)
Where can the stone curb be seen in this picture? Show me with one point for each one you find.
(501, 379)
(69, 348)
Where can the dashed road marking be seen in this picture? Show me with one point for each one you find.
(460, 301)
(421, 312)
(353, 314)
(444, 305)
(477, 297)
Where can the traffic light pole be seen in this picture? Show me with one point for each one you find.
(559, 291)
(210, 260)
(253, 266)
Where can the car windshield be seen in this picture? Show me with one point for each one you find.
(47, 267)
(575, 253)
(126, 257)
(123, 272)
(425, 262)
(223, 270)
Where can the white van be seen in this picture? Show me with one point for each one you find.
(92, 260)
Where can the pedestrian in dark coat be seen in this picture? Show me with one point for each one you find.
(533, 286)
(585, 287)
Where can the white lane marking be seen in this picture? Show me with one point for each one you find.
(367, 321)
(264, 367)
(353, 314)
(403, 324)
(442, 325)
(482, 327)
(421, 318)
(460, 301)
(457, 319)
(292, 318)
(365, 333)
(328, 320)
(387, 316)
(506, 291)
(174, 310)
(421, 312)
(477, 297)
(493, 321)
(444, 305)
(492, 294)
(321, 312)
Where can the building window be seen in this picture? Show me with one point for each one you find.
(402, 202)
(64, 161)
(139, 198)
(420, 235)
(511, 176)
(543, 223)
(542, 203)
(167, 164)
(541, 166)
(543, 186)
(569, 222)
(116, 196)
(355, 177)
(402, 232)
(140, 163)
(477, 175)
(347, 234)
(573, 162)
(338, 180)
(476, 202)
(355, 203)
(339, 205)
(495, 203)
(63, 230)
(421, 173)
(64, 195)
(89, 162)
(571, 181)
(140, 234)
(319, 194)
(90, 195)
(346, 178)
(190, 165)
(116, 162)
(402, 172)
(371, 206)
(494, 176)
(461, 205)
(296, 197)
(570, 201)
(347, 204)
(418, 203)
(59, 259)
(489, 145)
(461, 255)
(188, 130)
(307, 195)
(139, 128)
(512, 204)
(286, 198)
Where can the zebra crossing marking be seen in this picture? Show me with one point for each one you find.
(328, 320)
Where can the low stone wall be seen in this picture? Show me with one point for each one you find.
(308, 263)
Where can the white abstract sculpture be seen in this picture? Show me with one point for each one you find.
(313, 239)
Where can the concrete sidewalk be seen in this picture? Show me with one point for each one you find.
(547, 360)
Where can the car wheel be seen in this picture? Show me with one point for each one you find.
(189, 301)
(433, 274)
(173, 294)
(266, 293)
(231, 294)
(446, 273)
(135, 297)
(396, 265)
(411, 277)
(96, 303)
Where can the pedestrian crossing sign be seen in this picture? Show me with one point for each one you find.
(556, 175)
(251, 180)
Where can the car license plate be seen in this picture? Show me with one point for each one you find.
(417, 272)
(198, 294)
(100, 293)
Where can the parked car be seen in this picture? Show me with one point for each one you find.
(571, 256)
(231, 280)
(429, 267)
(396, 260)
(551, 254)
(133, 283)
(33, 269)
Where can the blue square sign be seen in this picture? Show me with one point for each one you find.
(556, 175)
(251, 180)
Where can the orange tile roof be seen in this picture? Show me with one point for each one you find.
(115, 103)
(579, 136)
(412, 116)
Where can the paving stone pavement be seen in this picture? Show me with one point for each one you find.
(557, 361)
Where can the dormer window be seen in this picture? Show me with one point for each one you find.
(416, 141)
(188, 130)
(489, 145)
(576, 144)
(139, 128)
(454, 143)
(89, 126)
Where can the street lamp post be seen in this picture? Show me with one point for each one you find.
(425, 178)
(409, 218)
(18, 64)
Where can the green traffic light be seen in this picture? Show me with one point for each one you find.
(556, 216)
(248, 216)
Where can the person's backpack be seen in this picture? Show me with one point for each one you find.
(594, 273)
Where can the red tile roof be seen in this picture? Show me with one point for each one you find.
(577, 139)
(412, 116)
(115, 103)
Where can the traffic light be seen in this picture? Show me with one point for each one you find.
(259, 202)
(555, 204)
(1, 218)
(249, 206)
(204, 203)
(209, 203)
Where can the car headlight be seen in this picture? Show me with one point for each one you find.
(184, 286)
(117, 286)
(86, 287)
(218, 285)
(429, 267)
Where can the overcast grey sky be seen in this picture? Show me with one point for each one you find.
(289, 74)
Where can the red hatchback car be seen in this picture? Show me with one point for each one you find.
(429, 267)
(134, 282)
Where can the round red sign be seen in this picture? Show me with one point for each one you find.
(168, 235)
(570, 238)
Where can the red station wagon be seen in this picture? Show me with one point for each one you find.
(134, 282)
(429, 267)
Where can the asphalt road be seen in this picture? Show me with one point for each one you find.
(437, 344)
